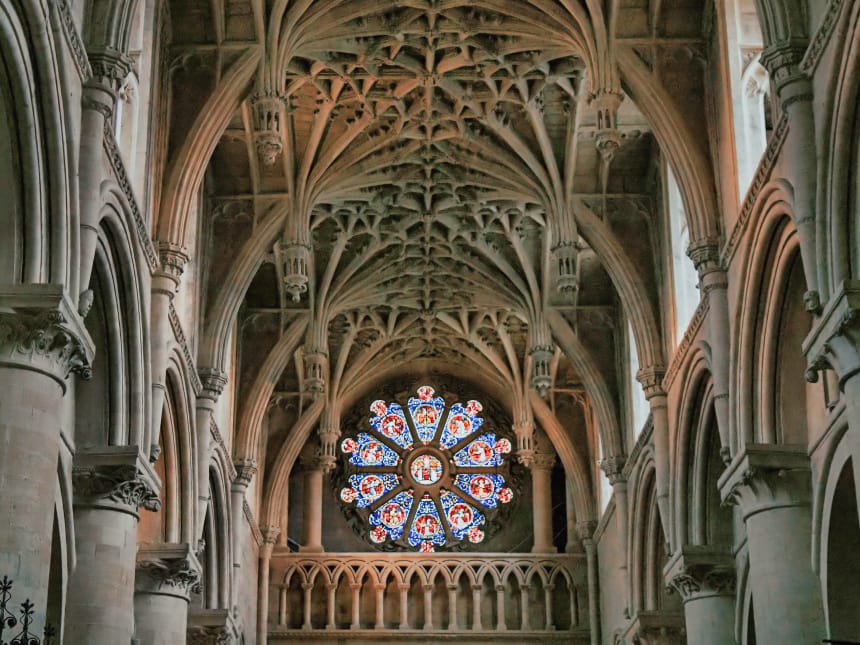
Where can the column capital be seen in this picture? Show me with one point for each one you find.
(705, 254)
(172, 260)
(270, 533)
(212, 627)
(543, 461)
(834, 341)
(655, 628)
(765, 476)
(115, 478)
(168, 569)
(651, 379)
(246, 468)
(613, 467)
(701, 571)
(585, 529)
(213, 381)
(40, 330)
(782, 60)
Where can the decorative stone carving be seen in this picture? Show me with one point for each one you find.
(613, 467)
(651, 379)
(700, 571)
(115, 476)
(295, 258)
(210, 636)
(541, 371)
(169, 569)
(315, 368)
(172, 261)
(764, 476)
(268, 109)
(567, 256)
(834, 341)
(543, 461)
(245, 471)
(41, 331)
(213, 381)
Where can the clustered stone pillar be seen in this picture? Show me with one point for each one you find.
(270, 536)
(541, 468)
(312, 504)
(110, 486)
(772, 486)
(42, 340)
(213, 382)
(585, 530)
(166, 576)
(613, 468)
(705, 580)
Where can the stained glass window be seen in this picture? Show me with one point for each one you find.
(426, 479)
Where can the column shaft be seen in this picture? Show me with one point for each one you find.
(710, 619)
(312, 510)
(541, 469)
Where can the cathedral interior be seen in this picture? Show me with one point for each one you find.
(428, 321)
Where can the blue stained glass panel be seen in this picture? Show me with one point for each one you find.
(372, 452)
(392, 424)
(426, 412)
(460, 515)
(427, 525)
(481, 452)
(371, 487)
(484, 488)
(392, 515)
(459, 425)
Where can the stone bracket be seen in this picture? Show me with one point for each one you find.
(212, 627)
(115, 477)
(696, 571)
(168, 569)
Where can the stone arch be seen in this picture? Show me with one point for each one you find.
(837, 558)
(37, 215)
(773, 253)
(697, 462)
(217, 559)
(839, 172)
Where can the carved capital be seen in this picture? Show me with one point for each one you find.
(543, 461)
(213, 635)
(585, 529)
(655, 628)
(213, 381)
(782, 61)
(834, 341)
(41, 331)
(765, 476)
(168, 569)
(115, 477)
(651, 379)
(172, 261)
(613, 467)
(698, 572)
(705, 254)
(110, 67)
(270, 533)
(245, 471)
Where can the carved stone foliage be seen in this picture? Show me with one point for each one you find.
(42, 340)
(168, 569)
(121, 484)
(704, 581)
(213, 635)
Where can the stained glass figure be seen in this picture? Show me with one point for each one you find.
(460, 424)
(456, 470)
(426, 412)
(368, 451)
(427, 525)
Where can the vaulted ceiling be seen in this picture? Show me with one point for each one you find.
(444, 185)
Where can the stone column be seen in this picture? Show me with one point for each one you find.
(110, 69)
(166, 576)
(541, 468)
(613, 467)
(213, 382)
(651, 379)
(585, 530)
(270, 536)
(165, 283)
(110, 486)
(713, 283)
(312, 504)
(213, 627)
(42, 340)
(772, 486)
(572, 545)
(705, 579)
(245, 471)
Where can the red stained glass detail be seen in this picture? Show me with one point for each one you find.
(372, 487)
(378, 534)
(460, 425)
(505, 495)
(425, 392)
(349, 495)
(349, 445)
(378, 407)
(392, 426)
(503, 446)
(480, 452)
(460, 516)
(481, 487)
(393, 515)
(427, 526)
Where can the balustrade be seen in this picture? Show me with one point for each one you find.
(519, 597)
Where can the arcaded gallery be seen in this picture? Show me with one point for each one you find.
(429, 321)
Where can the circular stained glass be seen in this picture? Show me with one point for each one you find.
(426, 476)
(425, 469)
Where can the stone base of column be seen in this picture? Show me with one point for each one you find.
(166, 576)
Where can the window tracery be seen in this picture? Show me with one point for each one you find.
(426, 477)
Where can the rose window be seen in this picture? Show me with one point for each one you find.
(427, 477)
